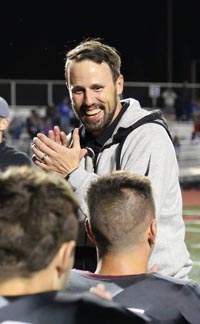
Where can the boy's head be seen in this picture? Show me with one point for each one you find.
(38, 214)
(121, 209)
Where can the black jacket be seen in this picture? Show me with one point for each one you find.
(10, 156)
(62, 308)
(161, 297)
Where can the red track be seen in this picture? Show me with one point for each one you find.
(191, 197)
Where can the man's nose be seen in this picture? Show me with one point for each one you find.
(89, 98)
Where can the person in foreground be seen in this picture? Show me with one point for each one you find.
(38, 229)
(9, 155)
(95, 85)
(122, 225)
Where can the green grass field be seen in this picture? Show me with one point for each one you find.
(193, 239)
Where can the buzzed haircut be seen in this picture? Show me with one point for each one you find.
(96, 51)
(121, 206)
(38, 213)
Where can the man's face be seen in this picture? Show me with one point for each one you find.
(94, 95)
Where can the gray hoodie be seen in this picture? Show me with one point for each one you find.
(149, 142)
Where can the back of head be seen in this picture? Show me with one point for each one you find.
(96, 51)
(121, 207)
(38, 213)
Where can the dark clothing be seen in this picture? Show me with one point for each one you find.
(60, 308)
(10, 156)
(161, 297)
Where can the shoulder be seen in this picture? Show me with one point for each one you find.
(18, 157)
(52, 307)
(176, 298)
(91, 308)
(175, 283)
(137, 118)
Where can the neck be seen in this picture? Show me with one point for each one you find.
(123, 263)
(39, 282)
(117, 110)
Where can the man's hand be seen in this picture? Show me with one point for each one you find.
(52, 155)
(58, 136)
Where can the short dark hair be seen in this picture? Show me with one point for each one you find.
(38, 212)
(96, 51)
(121, 206)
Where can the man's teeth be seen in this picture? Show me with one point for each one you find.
(92, 112)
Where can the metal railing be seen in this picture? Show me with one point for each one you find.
(42, 92)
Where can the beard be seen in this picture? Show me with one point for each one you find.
(97, 127)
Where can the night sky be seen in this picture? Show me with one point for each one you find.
(35, 37)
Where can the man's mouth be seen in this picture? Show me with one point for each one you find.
(92, 112)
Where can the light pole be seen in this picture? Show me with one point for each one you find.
(169, 41)
(193, 74)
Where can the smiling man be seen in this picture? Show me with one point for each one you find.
(98, 82)
(106, 142)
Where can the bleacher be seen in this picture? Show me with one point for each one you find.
(188, 153)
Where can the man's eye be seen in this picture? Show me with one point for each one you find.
(97, 88)
(78, 91)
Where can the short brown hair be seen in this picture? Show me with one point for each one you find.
(38, 212)
(121, 206)
(94, 50)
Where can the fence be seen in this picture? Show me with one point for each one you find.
(39, 93)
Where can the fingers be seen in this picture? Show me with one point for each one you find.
(41, 152)
(83, 153)
(58, 136)
(64, 139)
(54, 134)
(76, 139)
(40, 163)
(51, 156)
(45, 144)
(154, 268)
(51, 135)
(101, 291)
(39, 155)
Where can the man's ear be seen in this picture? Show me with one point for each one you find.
(89, 232)
(4, 123)
(65, 257)
(120, 84)
(152, 233)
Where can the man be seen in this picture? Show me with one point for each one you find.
(38, 229)
(122, 224)
(9, 155)
(169, 98)
(95, 84)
